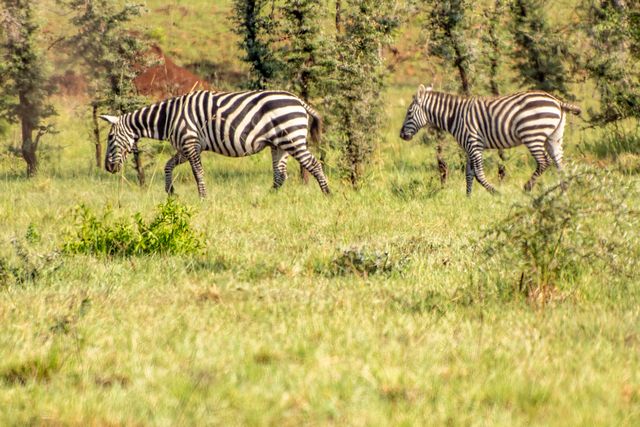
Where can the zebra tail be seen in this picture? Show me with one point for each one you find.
(316, 124)
(571, 108)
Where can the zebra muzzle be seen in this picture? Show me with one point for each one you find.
(405, 135)
(111, 167)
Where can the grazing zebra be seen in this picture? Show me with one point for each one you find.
(233, 124)
(535, 119)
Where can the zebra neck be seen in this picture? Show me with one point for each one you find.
(443, 109)
(149, 122)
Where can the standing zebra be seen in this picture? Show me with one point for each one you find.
(233, 124)
(535, 119)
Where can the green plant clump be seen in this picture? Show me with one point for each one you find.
(364, 262)
(169, 232)
(563, 233)
(25, 267)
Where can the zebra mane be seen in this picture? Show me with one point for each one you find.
(458, 97)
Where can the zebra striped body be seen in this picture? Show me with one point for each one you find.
(535, 119)
(233, 124)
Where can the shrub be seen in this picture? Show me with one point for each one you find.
(169, 232)
(617, 144)
(362, 261)
(415, 189)
(560, 234)
(26, 267)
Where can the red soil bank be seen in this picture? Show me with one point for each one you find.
(166, 79)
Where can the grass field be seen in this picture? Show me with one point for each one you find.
(266, 325)
(257, 330)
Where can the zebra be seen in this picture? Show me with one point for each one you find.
(233, 124)
(534, 118)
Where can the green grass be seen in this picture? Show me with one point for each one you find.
(271, 324)
(259, 330)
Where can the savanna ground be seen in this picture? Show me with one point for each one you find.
(264, 326)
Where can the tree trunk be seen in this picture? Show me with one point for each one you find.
(502, 169)
(96, 135)
(338, 16)
(29, 155)
(29, 147)
(462, 70)
(137, 158)
(443, 169)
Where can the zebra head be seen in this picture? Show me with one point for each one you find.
(416, 117)
(120, 142)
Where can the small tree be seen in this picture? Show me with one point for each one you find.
(447, 23)
(112, 56)
(304, 55)
(254, 22)
(493, 48)
(367, 26)
(539, 48)
(23, 78)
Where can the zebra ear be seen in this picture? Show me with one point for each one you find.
(430, 87)
(421, 91)
(111, 119)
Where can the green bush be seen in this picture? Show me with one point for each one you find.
(24, 266)
(362, 261)
(169, 232)
(415, 189)
(615, 143)
(587, 223)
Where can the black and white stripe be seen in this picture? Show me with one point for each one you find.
(535, 119)
(233, 124)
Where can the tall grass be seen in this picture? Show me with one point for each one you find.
(375, 307)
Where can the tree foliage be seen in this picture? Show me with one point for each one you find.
(447, 24)
(303, 54)
(255, 23)
(112, 57)
(613, 28)
(493, 44)
(110, 53)
(360, 79)
(539, 48)
(23, 78)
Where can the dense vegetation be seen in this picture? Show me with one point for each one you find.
(396, 301)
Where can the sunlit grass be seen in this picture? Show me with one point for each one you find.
(265, 326)
(260, 329)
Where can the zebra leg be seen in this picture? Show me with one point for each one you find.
(542, 162)
(168, 171)
(475, 157)
(310, 163)
(469, 175)
(192, 153)
(554, 148)
(502, 169)
(279, 161)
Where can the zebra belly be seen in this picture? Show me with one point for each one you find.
(238, 149)
(504, 141)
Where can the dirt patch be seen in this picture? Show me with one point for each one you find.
(70, 83)
(167, 79)
(166, 10)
